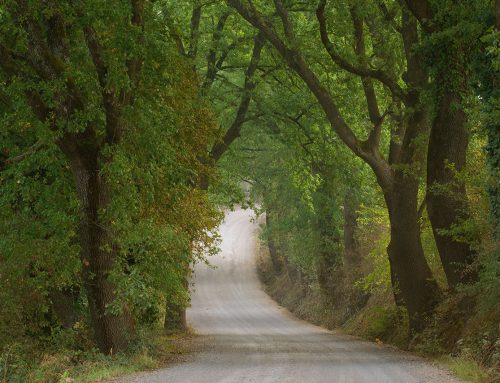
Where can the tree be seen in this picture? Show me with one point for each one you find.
(103, 84)
(411, 273)
(447, 202)
(299, 175)
(208, 62)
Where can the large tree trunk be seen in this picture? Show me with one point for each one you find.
(447, 203)
(413, 283)
(411, 276)
(175, 312)
(446, 196)
(175, 317)
(112, 330)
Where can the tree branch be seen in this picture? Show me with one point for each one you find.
(195, 29)
(287, 25)
(174, 33)
(346, 65)
(295, 61)
(422, 11)
(32, 149)
(111, 109)
(213, 64)
(359, 48)
(389, 16)
(234, 130)
(95, 50)
(135, 65)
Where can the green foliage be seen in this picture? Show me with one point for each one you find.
(466, 369)
(378, 323)
(486, 74)
(373, 223)
(488, 286)
(301, 174)
(61, 362)
(38, 246)
(158, 219)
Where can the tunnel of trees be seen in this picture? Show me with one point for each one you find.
(368, 132)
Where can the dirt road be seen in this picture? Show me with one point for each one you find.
(248, 338)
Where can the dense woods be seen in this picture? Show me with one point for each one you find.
(366, 131)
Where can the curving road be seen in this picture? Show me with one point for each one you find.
(247, 337)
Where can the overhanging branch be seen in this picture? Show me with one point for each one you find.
(378, 74)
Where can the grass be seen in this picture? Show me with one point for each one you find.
(68, 366)
(384, 322)
(466, 369)
(107, 369)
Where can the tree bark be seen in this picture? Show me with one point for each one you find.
(175, 317)
(47, 55)
(97, 251)
(412, 280)
(447, 203)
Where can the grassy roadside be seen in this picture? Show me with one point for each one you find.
(154, 350)
(379, 320)
(467, 369)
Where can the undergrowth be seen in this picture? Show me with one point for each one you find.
(21, 363)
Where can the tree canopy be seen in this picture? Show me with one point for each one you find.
(365, 131)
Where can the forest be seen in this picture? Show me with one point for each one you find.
(365, 134)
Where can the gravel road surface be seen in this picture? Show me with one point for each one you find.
(247, 337)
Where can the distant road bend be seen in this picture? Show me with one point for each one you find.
(249, 338)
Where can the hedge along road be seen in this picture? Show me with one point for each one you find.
(247, 337)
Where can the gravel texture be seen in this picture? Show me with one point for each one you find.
(247, 337)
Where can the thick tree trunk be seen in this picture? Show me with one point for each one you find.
(447, 203)
(412, 280)
(98, 253)
(412, 277)
(175, 312)
(175, 318)
(446, 196)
